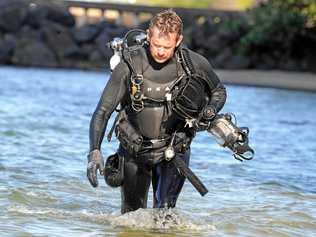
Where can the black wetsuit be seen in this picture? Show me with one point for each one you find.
(155, 122)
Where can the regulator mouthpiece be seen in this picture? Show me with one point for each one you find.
(116, 44)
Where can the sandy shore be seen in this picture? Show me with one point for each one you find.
(276, 79)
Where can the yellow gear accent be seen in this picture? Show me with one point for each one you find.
(134, 89)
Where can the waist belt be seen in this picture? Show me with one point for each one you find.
(152, 151)
(155, 143)
(152, 103)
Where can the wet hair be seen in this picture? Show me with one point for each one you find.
(167, 22)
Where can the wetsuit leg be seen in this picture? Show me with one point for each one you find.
(168, 182)
(134, 191)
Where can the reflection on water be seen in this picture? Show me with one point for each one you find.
(44, 120)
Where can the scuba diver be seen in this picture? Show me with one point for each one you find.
(164, 94)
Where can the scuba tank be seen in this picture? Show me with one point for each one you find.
(116, 45)
(227, 134)
(135, 37)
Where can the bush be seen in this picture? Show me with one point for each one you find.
(274, 26)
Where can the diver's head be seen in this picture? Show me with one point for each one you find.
(164, 35)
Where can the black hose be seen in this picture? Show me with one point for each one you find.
(188, 173)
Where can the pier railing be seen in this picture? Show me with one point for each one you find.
(132, 14)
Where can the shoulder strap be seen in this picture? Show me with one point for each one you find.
(185, 60)
(133, 56)
(191, 70)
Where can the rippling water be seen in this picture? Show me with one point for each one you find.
(44, 120)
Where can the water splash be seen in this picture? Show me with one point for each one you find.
(141, 219)
(159, 219)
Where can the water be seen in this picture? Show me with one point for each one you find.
(44, 122)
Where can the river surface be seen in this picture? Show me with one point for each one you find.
(44, 124)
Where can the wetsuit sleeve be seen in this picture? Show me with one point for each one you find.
(217, 91)
(218, 97)
(112, 95)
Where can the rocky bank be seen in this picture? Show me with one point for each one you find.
(45, 35)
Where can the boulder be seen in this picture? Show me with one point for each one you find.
(228, 36)
(289, 64)
(59, 39)
(86, 50)
(56, 12)
(117, 31)
(24, 54)
(97, 58)
(219, 41)
(27, 32)
(85, 34)
(187, 39)
(236, 62)
(101, 42)
(36, 15)
(307, 46)
(214, 44)
(222, 57)
(197, 38)
(7, 46)
(309, 63)
(60, 14)
(264, 62)
(102, 25)
(209, 27)
(12, 14)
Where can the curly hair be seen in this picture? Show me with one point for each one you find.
(167, 22)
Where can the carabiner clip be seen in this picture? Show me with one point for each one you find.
(137, 79)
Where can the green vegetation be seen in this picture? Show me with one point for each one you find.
(276, 25)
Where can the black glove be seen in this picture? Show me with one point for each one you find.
(209, 113)
(95, 163)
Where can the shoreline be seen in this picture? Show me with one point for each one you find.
(304, 81)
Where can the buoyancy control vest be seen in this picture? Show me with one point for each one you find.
(162, 96)
(174, 87)
(150, 91)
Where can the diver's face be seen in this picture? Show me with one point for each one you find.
(162, 45)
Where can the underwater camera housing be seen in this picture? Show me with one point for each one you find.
(227, 134)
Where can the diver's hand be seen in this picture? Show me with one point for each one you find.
(209, 113)
(95, 163)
